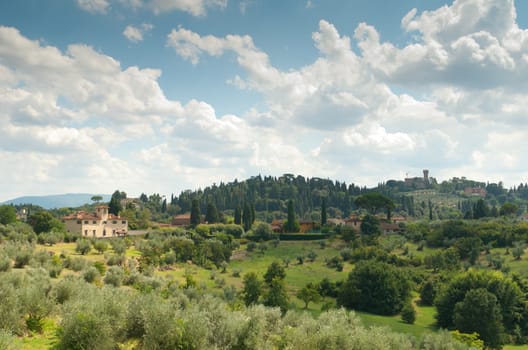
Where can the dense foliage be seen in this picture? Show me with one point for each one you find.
(376, 287)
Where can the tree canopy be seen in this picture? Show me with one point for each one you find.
(374, 201)
(375, 287)
(506, 294)
(7, 214)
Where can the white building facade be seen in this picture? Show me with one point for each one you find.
(99, 224)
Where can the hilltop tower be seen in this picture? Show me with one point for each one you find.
(426, 176)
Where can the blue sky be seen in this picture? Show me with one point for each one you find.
(164, 95)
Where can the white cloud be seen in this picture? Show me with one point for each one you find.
(451, 100)
(474, 44)
(244, 5)
(94, 6)
(194, 7)
(337, 83)
(376, 137)
(198, 8)
(135, 34)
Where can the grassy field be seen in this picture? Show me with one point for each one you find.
(297, 276)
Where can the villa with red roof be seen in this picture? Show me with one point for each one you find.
(98, 224)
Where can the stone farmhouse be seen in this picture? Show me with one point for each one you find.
(98, 224)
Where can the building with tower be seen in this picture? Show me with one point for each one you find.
(418, 183)
(98, 224)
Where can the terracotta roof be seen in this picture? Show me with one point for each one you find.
(183, 216)
(81, 215)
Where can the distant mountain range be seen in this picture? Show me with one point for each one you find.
(69, 200)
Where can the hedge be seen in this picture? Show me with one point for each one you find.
(303, 236)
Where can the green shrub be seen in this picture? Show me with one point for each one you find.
(75, 263)
(115, 259)
(91, 274)
(114, 276)
(100, 245)
(5, 263)
(7, 340)
(11, 314)
(302, 236)
(54, 266)
(203, 230)
(83, 246)
(234, 230)
(118, 245)
(40, 258)
(100, 266)
(85, 331)
(408, 313)
(22, 258)
(251, 246)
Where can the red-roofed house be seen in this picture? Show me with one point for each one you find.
(98, 224)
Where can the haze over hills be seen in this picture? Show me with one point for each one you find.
(68, 200)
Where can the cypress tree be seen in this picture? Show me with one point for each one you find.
(291, 225)
(195, 213)
(114, 207)
(211, 215)
(238, 215)
(246, 217)
(323, 212)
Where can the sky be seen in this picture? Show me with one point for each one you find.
(159, 96)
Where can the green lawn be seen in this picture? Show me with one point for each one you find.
(297, 276)
(425, 321)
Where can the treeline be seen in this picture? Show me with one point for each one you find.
(270, 195)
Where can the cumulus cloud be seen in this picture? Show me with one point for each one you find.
(94, 6)
(451, 100)
(196, 8)
(474, 44)
(336, 84)
(468, 60)
(135, 34)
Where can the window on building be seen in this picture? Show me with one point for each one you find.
(86, 232)
(79, 222)
(94, 222)
(86, 221)
(104, 232)
(114, 222)
(93, 232)
(123, 222)
(104, 222)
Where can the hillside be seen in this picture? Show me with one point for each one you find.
(69, 200)
(413, 197)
